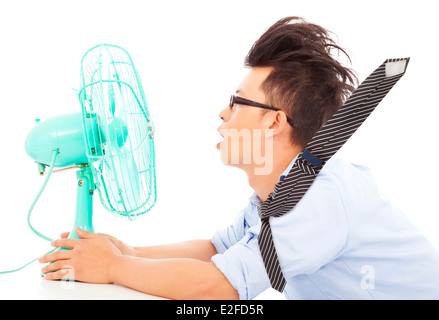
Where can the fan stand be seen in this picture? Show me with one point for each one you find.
(84, 201)
(84, 209)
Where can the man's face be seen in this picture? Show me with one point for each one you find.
(243, 128)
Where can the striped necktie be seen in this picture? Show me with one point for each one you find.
(327, 141)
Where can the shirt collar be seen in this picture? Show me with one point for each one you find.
(254, 198)
(288, 169)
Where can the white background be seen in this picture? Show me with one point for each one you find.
(190, 57)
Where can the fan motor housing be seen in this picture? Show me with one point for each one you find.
(63, 133)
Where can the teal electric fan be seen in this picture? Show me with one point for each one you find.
(110, 142)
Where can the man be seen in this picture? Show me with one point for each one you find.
(343, 240)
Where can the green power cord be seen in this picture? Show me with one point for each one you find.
(49, 173)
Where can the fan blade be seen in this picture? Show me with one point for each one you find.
(111, 102)
(117, 133)
(124, 185)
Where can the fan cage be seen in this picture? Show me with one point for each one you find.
(118, 131)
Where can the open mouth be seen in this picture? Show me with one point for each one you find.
(219, 143)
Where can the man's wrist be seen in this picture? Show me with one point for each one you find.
(116, 268)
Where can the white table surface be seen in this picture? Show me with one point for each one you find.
(27, 284)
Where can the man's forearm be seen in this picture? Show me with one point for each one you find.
(194, 249)
(172, 278)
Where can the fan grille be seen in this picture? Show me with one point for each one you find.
(118, 131)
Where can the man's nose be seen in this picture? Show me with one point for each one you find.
(223, 114)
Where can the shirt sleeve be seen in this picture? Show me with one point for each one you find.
(243, 266)
(226, 238)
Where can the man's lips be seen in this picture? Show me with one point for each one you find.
(219, 143)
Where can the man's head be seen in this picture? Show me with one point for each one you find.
(306, 81)
(292, 69)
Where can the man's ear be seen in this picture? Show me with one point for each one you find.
(277, 122)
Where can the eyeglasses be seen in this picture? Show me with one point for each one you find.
(238, 100)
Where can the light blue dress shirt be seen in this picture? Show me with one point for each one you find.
(343, 240)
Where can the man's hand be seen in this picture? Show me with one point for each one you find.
(88, 259)
(122, 246)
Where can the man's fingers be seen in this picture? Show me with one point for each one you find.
(55, 266)
(84, 234)
(66, 243)
(56, 255)
(59, 274)
(65, 235)
(106, 235)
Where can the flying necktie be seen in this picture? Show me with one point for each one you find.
(325, 143)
